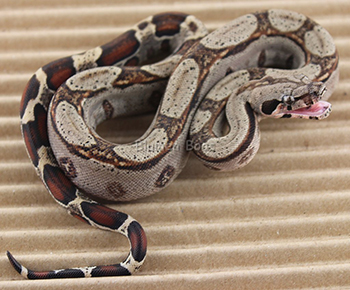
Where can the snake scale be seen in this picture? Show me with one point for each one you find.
(209, 92)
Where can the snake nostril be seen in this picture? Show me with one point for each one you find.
(322, 90)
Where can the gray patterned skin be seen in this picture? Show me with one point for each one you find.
(162, 34)
(301, 71)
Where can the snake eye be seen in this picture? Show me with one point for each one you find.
(269, 107)
(288, 100)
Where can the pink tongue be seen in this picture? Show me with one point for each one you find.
(317, 109)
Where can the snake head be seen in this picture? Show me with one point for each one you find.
(296, 100)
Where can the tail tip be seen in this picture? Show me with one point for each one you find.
(15, 264)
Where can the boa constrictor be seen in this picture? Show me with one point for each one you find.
(214, 89)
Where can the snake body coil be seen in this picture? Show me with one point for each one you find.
(274, 63)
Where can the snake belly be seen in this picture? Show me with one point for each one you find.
(275, 63)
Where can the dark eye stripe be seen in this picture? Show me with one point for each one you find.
(269, 106)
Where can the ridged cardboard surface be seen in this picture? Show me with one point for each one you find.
(282, 222)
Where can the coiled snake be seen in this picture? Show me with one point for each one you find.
(274, 63)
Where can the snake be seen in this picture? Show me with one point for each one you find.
(207, 91)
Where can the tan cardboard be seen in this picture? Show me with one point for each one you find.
(282, 222)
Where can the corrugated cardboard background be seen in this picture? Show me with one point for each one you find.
(283, 222)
